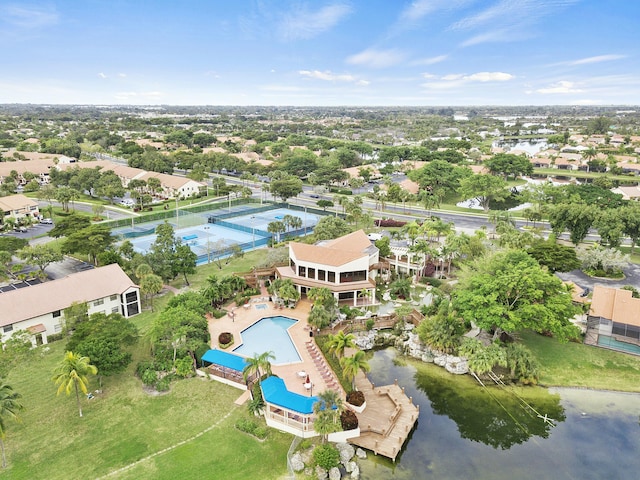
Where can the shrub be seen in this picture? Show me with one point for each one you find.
(184, 367)
(369, 324)
(434, 282)
(348, 420)
(218, 313)
(225, 339)
(326, 456)
(355, 397)
(54, 337)
(340, 191)
(163, 384)
(251, 427)
(149, 377)
(389, 222)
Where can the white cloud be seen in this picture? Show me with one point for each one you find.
(377, 58)
(332, 77)
(508, 20)
(430, 60)
(102, 75)
(453, 80)
(122, 75)
(28, 17)
(597, 59)
(562, 86)
(305, 24)
(490, 77)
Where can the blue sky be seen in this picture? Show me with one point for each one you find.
(308, 53)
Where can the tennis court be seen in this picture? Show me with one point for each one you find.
(209, 238)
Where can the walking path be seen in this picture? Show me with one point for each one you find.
(165, 450)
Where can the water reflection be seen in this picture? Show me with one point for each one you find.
(500, 417)
(463, 433)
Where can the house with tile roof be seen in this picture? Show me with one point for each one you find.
(346, 265)
(614, 313)
(18, 207)
(39, 309)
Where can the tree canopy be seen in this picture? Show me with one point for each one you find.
(509, 291)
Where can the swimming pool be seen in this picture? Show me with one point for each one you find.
(611, 342)
(269, 335)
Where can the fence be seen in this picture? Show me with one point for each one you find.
(219, 254)
(238, 227)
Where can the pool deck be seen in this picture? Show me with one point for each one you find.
(318, 369)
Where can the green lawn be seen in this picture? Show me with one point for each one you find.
(578, 365)
(124, 424)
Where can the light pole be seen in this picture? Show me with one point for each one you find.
(305, 220)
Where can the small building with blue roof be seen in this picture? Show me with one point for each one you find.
(227, 368)
(288, 411)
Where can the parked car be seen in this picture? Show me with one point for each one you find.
(46, 221)
(20, 229)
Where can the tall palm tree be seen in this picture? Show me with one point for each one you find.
(339, 342)
(352, 365)
(9, 407)
(327, 410)
(73, 372)
(259, 363)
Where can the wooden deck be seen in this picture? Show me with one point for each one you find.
(387, 420)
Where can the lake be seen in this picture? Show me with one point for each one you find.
(531, 146)
(465, 431)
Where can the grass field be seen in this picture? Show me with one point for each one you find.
(578, 365)
(124, 424)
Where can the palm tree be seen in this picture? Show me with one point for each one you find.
(365, 293)
(327, 410)
(484, 359)
(319, 317)
(339, 342)
(260, 362)
(73, 373)
(352, 365)
(9, 407)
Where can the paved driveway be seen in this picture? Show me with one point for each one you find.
(632, 277)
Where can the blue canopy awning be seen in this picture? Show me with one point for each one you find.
(224, 359)
(275, 392)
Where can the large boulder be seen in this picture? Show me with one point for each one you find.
(297, 463)
(360, 453)
(334, 474)
(346, 452)
(321, 473)
(355, 473)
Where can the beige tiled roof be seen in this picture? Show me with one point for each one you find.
(615, 304)
(16, 202)
(36, 167)
(323, 255)
(86, 286)
(335, 252)
(356, 242)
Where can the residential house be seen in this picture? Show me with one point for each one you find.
(170, 186)
(628, 192)
(39, 309)
(18, 207)
(615, 313)
(346, 265)
(39, 168)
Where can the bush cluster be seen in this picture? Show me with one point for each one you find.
(326, 456)
(225, 339)
(251, 427)
(349, 420)
(389, 222)
(355, 397)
